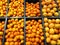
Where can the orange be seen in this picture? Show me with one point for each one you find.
(57, 21)
(47, 34)
(38, 32)
(0, 43)
(45, 6)
(43, 10)
(3, 22)
(48, 9)
(42, 43)
(19, 43)
(49, 21)
(34, 43)
(11, 35)
(9, 39)
(6, 36)
(49, 14)
(33, 34)
(15, 26)
(6, 43)
(1, 37)
(37, 39)
(16, 43)
(37, 35)
(43, 3)
(1, 33)
(28, 35)
(54, 5)
(56, 31)
(45, 19)
(27, 39)
(42, 34)
(11, 43)
(46, 29)
(33, 30)
(15, 39)
(44, 14)
(55, 9)
(51, 31)
(55, 37)
(52, 11)
(22, 41)
(39, 21)
(56, 14)
(48, 40)
(57, 26)
(21, 37)
(46, 24)
(58, 42)
(53, 42)
(51, 36)
(42, 38)
(53, 21)
(50, 6)
(28, 43)
(22, 33)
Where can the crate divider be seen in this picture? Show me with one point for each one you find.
(24, 31)
(4, 31)
(15, 17)
(7, 8)
(34, 17)
(2, 17)
(41, 8)
(24, 22)
(44, 31)
(51, 17)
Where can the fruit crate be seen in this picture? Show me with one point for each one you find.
(6, 18)
(50, 29)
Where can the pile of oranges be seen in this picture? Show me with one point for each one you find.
(3, 6)
(32, 9)
(34, 32)
(14, 32)
(49, 8)
(52, 28)
(1, 31)
(16, 8)
(58, 1)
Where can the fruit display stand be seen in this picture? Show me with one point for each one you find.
(29, 22)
